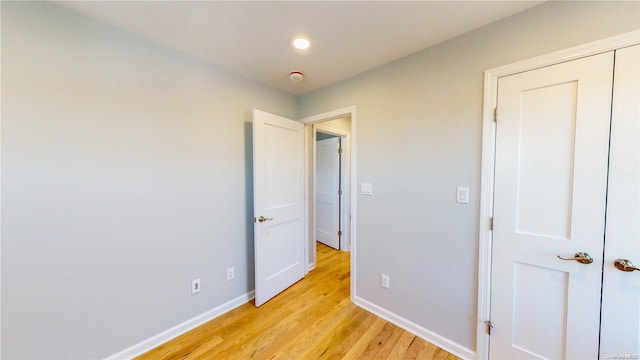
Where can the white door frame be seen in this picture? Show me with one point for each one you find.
(488, 154)
(349, 111)
(344, 181)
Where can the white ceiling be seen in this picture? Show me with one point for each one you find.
(252, 38)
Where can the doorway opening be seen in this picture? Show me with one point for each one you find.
(331, 191)
(338, 125)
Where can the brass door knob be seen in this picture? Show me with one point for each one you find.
(625, 265)
(581, 257)
(263, 219)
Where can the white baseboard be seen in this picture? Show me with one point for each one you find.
(428, 335)
(161, 338)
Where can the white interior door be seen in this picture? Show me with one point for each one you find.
(327, 188)
(621, 290)
(278, 180)
(552, 142)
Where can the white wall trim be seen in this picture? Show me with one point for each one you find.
(311, 266)
(349, 111)
(161, 338)
(576, 52)
(488, 154)
(424, 333)
(330, 115)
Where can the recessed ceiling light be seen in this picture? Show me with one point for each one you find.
(300, 42)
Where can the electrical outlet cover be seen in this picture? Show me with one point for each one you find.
(195, 286)
(384, 281)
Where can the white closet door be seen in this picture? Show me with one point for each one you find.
(552, 144)
(327, 192)
(620, 335)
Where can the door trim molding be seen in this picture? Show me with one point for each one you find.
(488, 154)
(349, 111)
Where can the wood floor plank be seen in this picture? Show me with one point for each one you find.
(335, 343)
(358, 349)
(313, 319)
(382, 338)
(400, 347)
(414, 349)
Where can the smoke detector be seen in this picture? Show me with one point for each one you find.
(296, 76)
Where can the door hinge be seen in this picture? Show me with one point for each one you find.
(339, 150)
(495, 114)
(339, 232)
(339, 192)
(491, 224)
(489, 326)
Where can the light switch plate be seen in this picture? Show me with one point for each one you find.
(462, 195)
(366, 189)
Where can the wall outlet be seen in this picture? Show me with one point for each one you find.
(195, 286)
(384, 281)
(231, 273)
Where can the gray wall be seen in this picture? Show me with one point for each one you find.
(343, 124)
(419, 136)
(126, 173)
(323, 136)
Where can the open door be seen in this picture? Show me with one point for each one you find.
(278, 193)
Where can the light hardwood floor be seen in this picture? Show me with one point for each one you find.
(313, 319)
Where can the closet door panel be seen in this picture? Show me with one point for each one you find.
(552, 143)
(620, 328)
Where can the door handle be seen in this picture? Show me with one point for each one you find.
(581, 257)
(262, 219)
(625, 265)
